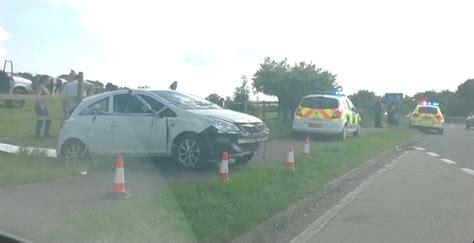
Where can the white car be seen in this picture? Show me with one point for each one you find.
(159, 123)
(331, 114)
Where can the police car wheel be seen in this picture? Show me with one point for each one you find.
(357, 132)
(468, 127)
(440, 131)
(244, 159)
(343, 134)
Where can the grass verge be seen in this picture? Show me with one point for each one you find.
(221, 211)
(152, 220)
(212, 211)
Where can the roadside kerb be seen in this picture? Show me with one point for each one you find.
(295, 212)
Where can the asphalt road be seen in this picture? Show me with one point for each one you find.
(426, 195)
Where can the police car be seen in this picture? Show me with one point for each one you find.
(427, 115)
(331, 114)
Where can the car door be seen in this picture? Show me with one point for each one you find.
(97, 120)
(158, 134)
(132, 123)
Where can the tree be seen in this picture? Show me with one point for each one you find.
(463, 99)
(363, 99)
(214, 98)
(242, 93)
(111, 87)
(290, 84)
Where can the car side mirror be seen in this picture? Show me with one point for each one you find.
(167, 112)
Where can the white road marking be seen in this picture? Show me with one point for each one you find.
(324, 219)
(467, 170)
(432, 154)
(405, 152)
(419, 148)
(448, 161)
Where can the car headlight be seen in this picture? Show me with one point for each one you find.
(223, 126)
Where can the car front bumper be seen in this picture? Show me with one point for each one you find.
(236, 145)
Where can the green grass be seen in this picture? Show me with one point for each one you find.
(213, 211)
(23, 169)
(152, 220)
(221, 211)
(18, 125)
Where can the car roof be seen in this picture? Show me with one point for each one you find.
(325, 95)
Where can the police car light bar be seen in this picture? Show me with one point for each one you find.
(428, 103)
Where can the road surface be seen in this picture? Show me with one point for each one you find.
(426, 195)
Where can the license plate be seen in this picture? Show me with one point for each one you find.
(315, 125)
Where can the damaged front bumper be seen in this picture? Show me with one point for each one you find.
(237, 145)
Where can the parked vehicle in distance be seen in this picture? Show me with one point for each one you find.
(14, 85)
(332, 114)
(159, 123)
(470, 120)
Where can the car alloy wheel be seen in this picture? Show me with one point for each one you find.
(74, 151)
(189, 152)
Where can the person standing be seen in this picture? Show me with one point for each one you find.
(378, 112)
(70, 93)
(41, 109)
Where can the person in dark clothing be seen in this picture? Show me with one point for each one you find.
(41, 109)
(174, 85)
(378, 112)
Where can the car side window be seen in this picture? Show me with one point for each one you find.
(155, 105)
(126, 103)
(347, 107)
(349, 103)
(97, 108)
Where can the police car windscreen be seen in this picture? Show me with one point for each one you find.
(320, 103)
(427, 110)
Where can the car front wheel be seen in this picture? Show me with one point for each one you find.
(189, 151)
(73, 151)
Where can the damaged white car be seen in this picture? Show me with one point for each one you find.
(159, 123)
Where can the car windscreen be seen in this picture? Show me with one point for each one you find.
(427, 110)
(185, 101)
(320, 103)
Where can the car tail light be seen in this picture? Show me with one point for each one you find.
(298, 112)
(439, 117)
(337, 114)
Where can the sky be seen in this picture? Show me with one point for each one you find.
(403, 46)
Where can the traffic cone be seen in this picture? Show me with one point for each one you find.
(290, 159)
(224, 167)
(306, 147)
(119, 191)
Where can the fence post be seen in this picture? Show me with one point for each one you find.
(245, 106)
(263, 110)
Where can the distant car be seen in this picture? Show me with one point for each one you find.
(159, 123)
(21, 86)
(470, 120)
(332, 114)
(427, 115)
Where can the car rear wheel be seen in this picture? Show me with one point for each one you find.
(244, 159)
(343, 134)
(189, 151)
(73, 151)
(468, 127)
(357, 132)
(440, 131)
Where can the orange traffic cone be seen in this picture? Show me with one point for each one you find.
(119, 190)
(290, 159)
(224, 167)
(306, 147)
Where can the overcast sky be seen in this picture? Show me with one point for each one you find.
(383, 46)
